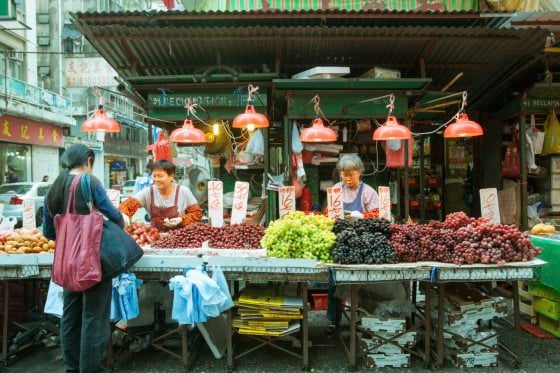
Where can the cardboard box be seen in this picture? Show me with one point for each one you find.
(469, 360)
(407, 339)
(461, 345)
(394, 361)
(369, 346)
(382, 73)
(378, 324)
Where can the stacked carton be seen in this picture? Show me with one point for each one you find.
(465, 308)
(381, 353)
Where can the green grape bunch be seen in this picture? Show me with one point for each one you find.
(298, 235)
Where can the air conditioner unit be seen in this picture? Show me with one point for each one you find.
(15, 55)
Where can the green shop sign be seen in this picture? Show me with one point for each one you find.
(203, 99)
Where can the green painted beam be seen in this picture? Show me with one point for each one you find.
(197, 78)
(338, 105)
(352, 84)
(211, 113)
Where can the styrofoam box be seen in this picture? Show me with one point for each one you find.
(555, 197)
(555, 164)
(378, 324)
(469, 360)
(459, 343)
(381, 361)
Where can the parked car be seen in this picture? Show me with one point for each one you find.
(127, 189)
(12, 196)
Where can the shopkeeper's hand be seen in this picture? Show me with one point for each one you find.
(126, 220)
(173, 222)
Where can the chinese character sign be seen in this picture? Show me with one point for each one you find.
(384, 202)
(335, 207)
(489, 206)
(240, 197)
(89, 72)
(287, 200)
(28, 214)
(28, 131)
(216, 203)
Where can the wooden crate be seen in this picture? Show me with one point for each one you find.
(526, 302)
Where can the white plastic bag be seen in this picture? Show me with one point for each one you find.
(7, 223)
(220, 279)
(55, 301)
(255, 145)
(297, 145)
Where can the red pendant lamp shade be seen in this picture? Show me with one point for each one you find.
(463, 127)
(392, 130)
(100, 122)
(317, 133)
(250, 119)
(188, 135)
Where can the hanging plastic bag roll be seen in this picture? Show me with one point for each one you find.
(220, 279)
(551, 135)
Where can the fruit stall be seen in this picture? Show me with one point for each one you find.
(298, 248)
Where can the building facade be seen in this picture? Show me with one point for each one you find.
(33, 120)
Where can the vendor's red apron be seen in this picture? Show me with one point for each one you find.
(158, 214)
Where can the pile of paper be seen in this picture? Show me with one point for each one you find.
(271, 310)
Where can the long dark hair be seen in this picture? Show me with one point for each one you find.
(76, 155)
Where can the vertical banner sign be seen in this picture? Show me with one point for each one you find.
(28, 214)
(335, 207)
(114, 196)
(240, 196)
(216, 203)
(287, 200)
(489, 206)
(384, 203)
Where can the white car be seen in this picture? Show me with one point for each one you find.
(12, 196)
(127, 189)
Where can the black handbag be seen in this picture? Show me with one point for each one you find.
(118, 250)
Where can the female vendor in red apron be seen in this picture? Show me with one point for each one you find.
(169, 205)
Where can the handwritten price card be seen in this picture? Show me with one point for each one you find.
(384, 202)
(114, 197)
(216, 203)
(240, 196)
(489, 206)
(28, 214)
(335, 207)
(287, 200)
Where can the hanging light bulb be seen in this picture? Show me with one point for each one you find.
(188, 135)
(216, 129)
(463, 127)
(100, 122)
(318, 133)
(250, 119)
(392, 129)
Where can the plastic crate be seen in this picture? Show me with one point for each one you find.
(320, 301)
(547, 307)
(540, 290)
(551, 326)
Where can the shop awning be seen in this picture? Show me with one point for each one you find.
(145, 46)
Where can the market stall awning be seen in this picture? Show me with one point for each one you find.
(170, 44)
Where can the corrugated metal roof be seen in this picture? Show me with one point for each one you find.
(157, 47)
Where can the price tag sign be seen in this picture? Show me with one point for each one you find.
(216, 203)
(384, 202)
(489, 206)
(114, 196)
(240, 197)
(287, 200)
(28, 214)
(335, 207)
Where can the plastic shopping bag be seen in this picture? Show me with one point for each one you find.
(551, 135)
(255, 145)
(220, 279)
(297, 145)
(54, 304)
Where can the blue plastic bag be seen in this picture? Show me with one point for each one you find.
(220, 279)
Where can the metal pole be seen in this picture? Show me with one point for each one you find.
(422, 182)
(305, 332)
(523, 162)
(5, 321)
(265, 193)
(353, 321)
(405, 177)
(517, 321)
